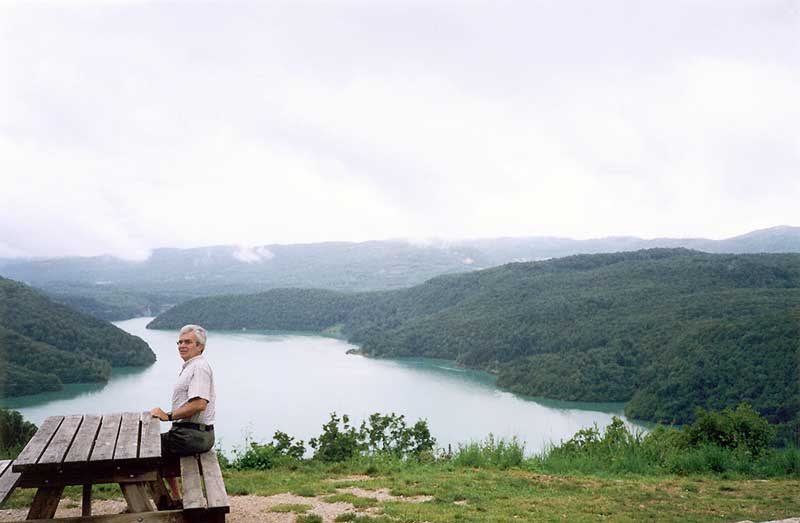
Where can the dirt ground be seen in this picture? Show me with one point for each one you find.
(244, 509)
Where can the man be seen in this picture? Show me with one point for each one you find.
(193, 403)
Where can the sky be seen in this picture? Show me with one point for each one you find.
(126, 126)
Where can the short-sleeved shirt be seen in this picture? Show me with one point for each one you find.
(196, 381)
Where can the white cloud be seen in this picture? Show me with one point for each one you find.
(136, 125)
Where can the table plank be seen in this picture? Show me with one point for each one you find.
(192, 487)
(8, 480)
(38, 443)
(107, 438)
(84, 440)
(212, 475)
(150, 446)
(128, 441)
(59, 445)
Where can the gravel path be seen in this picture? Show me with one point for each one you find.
(244, 509)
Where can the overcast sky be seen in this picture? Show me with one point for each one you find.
(131, 125)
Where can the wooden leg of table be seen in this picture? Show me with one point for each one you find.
(45, 502)
(86, 501)
(160, 494)
(136, 496)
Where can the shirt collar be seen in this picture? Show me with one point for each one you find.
(191, 360)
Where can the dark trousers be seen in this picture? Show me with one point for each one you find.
(183, 441)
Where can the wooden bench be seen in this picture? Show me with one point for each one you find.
(8, 480)
(202, 487)
(116, 448)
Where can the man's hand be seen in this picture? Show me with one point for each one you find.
(158, 413)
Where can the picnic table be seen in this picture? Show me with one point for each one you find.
(115, 448)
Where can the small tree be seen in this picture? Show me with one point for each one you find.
(337, 444)
(742, 428)
(14, 432)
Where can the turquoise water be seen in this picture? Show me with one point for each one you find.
(291, 382)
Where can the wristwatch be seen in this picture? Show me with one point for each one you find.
(169, 416)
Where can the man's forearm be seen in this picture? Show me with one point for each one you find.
(189, 409)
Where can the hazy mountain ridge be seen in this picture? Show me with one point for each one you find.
(111, 288)
(666, 329)
(45, 344)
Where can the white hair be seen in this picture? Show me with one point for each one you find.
(199, 333)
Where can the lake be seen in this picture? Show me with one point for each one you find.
(268, 381)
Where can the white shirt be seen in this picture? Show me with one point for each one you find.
(196, 381)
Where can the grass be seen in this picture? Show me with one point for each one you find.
(522, 493)
(357, 501)
(480, 495)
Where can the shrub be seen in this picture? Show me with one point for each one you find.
(282, 449)
(742, 428)
(337, 444)
(14, 432)
(379, 434)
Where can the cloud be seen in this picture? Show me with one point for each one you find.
(130, 126)
(253, 254)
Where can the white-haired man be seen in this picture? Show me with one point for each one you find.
(193, 402)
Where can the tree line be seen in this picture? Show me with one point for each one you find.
(666, 330)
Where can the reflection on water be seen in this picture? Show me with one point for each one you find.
(268, 381)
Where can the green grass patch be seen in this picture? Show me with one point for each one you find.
(361, 518)
(309, 518)
(358, 502)
(480, 495)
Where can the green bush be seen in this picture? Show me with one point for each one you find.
(282, 449)
(380, 434)
(337, 444)
(730, 441)
(742, 428)
(14, 432)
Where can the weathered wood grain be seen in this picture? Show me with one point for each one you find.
(128, 440)
(45, 502)
(212, 476)
(62, 440)
(193, 497)
(81, 448)
(107, 438)
(136, 496)
(8, 480)
(150, 445)
(38, 443)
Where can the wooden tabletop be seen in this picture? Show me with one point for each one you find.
(85, 443)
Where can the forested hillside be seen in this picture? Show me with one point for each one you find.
(112, 289)
(45, 344)
(666, 329)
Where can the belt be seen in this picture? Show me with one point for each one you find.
(194, 426)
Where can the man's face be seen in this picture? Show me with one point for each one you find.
(188, 346)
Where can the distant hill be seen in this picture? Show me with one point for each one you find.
(111, 288)
(45, 344)
(666, 330)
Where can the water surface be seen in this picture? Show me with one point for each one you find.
(292, 382)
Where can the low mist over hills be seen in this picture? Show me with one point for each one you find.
(45, 344)
(667, 330)
(112, 288)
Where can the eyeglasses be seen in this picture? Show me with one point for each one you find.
(186, 342)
